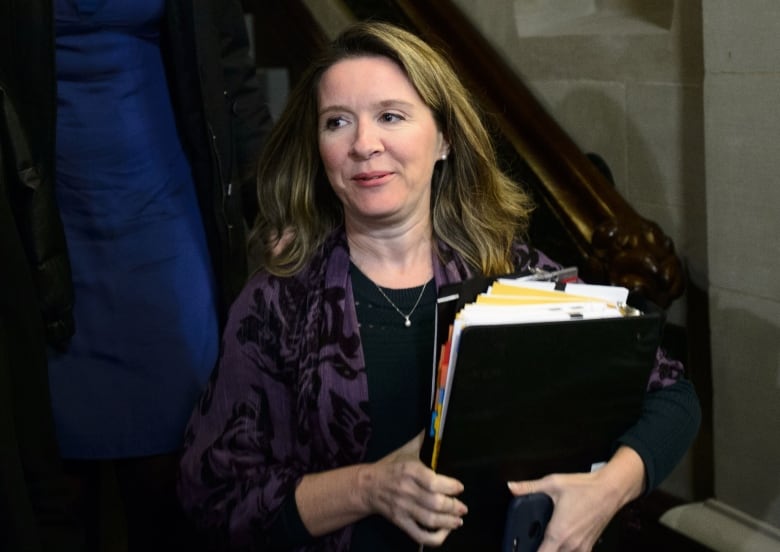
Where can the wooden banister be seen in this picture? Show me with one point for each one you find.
(615, 244)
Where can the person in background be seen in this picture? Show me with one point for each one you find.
(144, 120)
(379, 185)
(33, 492)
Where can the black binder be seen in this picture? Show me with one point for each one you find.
(527, 400)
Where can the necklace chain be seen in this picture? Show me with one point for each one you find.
(407, 322)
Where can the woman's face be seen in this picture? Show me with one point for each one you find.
(378, 142)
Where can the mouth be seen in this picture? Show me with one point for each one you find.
(371, 178)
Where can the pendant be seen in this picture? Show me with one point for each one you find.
(408, 322)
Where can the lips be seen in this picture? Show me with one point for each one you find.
(372, 177)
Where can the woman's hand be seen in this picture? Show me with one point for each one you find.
(586, 502)
(398, 487)
(418, 500)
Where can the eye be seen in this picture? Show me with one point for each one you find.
(390, 117)
(332, 123)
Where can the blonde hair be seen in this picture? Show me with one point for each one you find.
(476, 209)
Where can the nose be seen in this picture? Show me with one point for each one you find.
(367, 140)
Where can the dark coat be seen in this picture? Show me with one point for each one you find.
(31, 484)
(222, 121)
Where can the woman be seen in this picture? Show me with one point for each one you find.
(382, 185)
(143, 119)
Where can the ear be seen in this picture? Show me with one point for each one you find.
(444, 150)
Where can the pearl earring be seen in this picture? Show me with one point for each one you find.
(443, 156)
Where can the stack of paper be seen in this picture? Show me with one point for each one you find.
(519, 301)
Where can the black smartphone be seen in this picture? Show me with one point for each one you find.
(526, 520)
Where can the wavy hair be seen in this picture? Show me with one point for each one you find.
(476, 209)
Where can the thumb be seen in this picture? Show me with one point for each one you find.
(413, 446)
(408, 450)
(525, 487)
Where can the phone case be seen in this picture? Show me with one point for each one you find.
(526, 520)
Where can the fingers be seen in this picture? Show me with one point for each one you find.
(447, 515)
(421, 478)
(582, 509)
(414, 497)
(444, 505)
(427, 537)
(434, 493)
(430, 526)
(421, 502)
(440, 484)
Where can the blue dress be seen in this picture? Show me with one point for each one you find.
(145, 303)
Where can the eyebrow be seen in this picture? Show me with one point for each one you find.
(382, 104)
